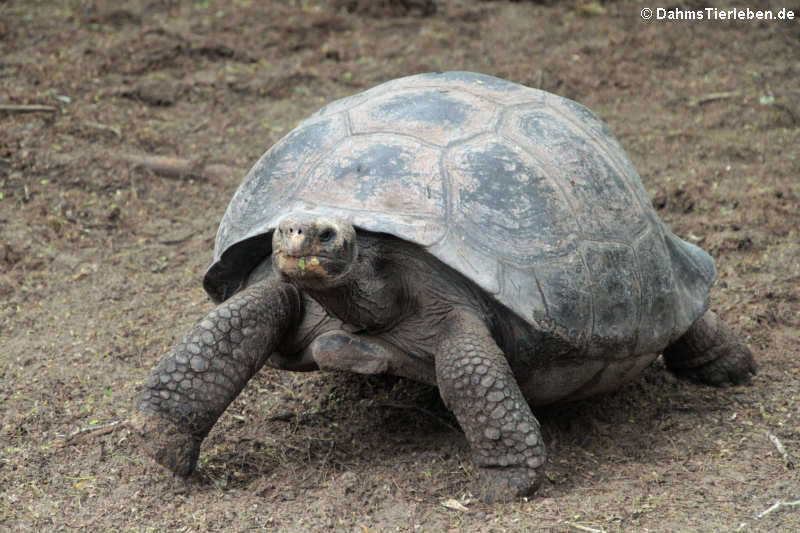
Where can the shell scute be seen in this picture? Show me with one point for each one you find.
(436, 116)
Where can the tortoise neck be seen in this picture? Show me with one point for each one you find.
(371, 297)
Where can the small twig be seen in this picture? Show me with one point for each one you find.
(771, 509)
(113, 129)
(177, 167)
(454, 504)
(180, 240)
(286, 416)
(584, 528)
(89, 433)
(713, 97)
(30, 108)
(781, 450)
(774, 507)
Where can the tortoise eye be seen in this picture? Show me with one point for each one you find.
(326, 235)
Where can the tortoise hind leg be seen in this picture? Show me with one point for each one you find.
(710, 353)
(365, 354)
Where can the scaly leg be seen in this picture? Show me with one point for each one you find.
(709, 352)
(476, 383)
(198, 378)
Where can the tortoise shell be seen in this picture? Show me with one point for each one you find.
(524, 192)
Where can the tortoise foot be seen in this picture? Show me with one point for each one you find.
(507, 483)
(165, 443)
(710, 353)
(736, 367)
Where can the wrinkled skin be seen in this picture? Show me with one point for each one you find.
(329, 297)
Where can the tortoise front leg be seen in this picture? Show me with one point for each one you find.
(477, 384)
(199, 377)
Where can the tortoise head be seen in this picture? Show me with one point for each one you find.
(314, 252)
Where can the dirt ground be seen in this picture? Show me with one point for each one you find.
(103, 247)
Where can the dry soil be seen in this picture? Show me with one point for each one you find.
(103, 246)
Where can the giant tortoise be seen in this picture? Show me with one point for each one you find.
(457, 229)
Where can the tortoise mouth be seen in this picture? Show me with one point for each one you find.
(310, 267)
(290, 255)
